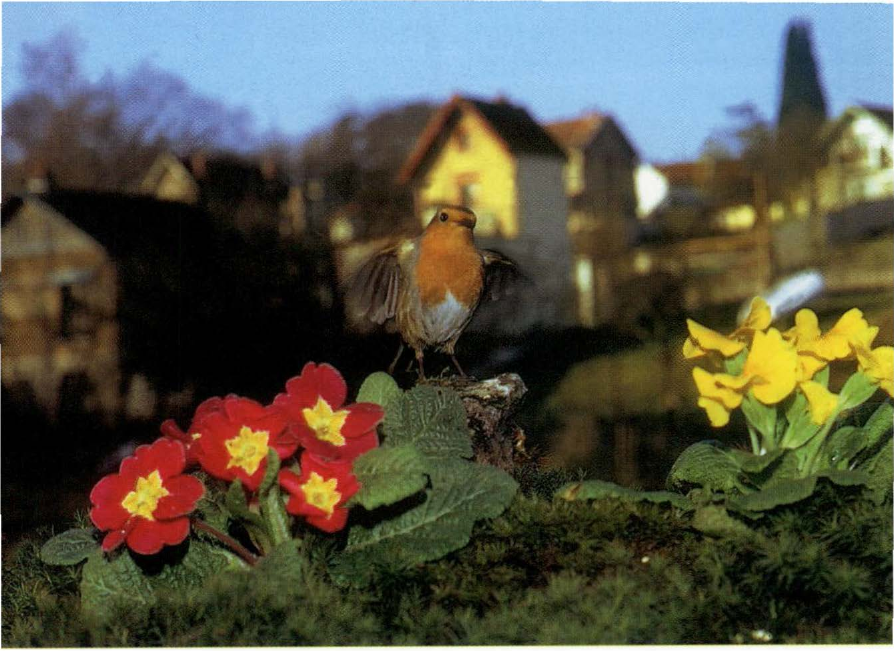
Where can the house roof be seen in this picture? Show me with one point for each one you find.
(577, 133)
(883, 113)
(511, 124)
(126, 225)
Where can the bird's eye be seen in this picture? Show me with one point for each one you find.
(443, 217)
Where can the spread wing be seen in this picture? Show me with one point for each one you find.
(501, 275)
(374, 288)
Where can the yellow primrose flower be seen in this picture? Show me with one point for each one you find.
(772, 364)
(719, 394)
(878, 365)
(759, 318)
(820, 400)
(837, 343)
(703, 340)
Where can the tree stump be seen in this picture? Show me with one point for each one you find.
(490, 406)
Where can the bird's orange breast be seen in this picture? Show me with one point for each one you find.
(449, 262)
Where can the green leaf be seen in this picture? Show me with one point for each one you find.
(762, 417)
(379, 388)
(283, 563)
(756, 463)
(69, 548)
(786, 491)
(461, 493)
(879, 426)
(253, 522)
(857, 390)
(388, 475)
(432, 419)
(201, 561)
(843, 445)
(881, 472)
(845, 477)
(111, 584)
(595, 489)
(277, 521)
(704, 464)
(801, 427)
(714, 520)
(822, 376)
(237, 506)
(734, 365)
(271, 474)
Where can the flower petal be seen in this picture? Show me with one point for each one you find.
(773, 364)
(717, 413)
(708, 339)
(821, 401)
(314, 382)
(168, 456)
(183, 493)
(148, 536)
(109, 515)
(759, 317)
(362, 418)
(332, 523)
(113, 540)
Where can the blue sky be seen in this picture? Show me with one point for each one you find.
(666, 71)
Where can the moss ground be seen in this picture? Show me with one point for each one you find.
(543, 573)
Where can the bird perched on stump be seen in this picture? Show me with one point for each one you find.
(428, 287)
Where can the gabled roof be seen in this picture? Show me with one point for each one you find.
(576, 133)
(128, 225)
(831, 130)
(882, 113)
(34, 228)
(512, 125)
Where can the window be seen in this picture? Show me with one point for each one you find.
(462, 139)
(66, 312)
(467, 194)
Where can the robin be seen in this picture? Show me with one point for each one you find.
(428, 287)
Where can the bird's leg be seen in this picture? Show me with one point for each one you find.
(456, 364)
(419, 362)
(400, 350)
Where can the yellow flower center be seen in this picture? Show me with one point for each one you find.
(143, 500)
(321, 493)
(325, 423)
(248, 449)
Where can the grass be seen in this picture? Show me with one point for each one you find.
(544, 572)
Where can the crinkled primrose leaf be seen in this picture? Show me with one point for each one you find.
(434, 420)
(111, 584)
(379, 388)
(595, 489)
(388, 475)
(461, 493)
(69, 548)
(705, 464)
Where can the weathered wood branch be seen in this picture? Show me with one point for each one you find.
(490, 406)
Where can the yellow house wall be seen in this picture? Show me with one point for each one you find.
(494, 170)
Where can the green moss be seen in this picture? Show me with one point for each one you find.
(542, 573)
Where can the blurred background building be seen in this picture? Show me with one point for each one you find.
(149, 262)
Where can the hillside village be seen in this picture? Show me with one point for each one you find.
(608, 239)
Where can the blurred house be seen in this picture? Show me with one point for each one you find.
(495, 159)
(602, 222)
(250, 197)
(857, 167)
(60, 333)
(97, 285)
(852, 213)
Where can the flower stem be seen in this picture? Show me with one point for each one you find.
(229, 541)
